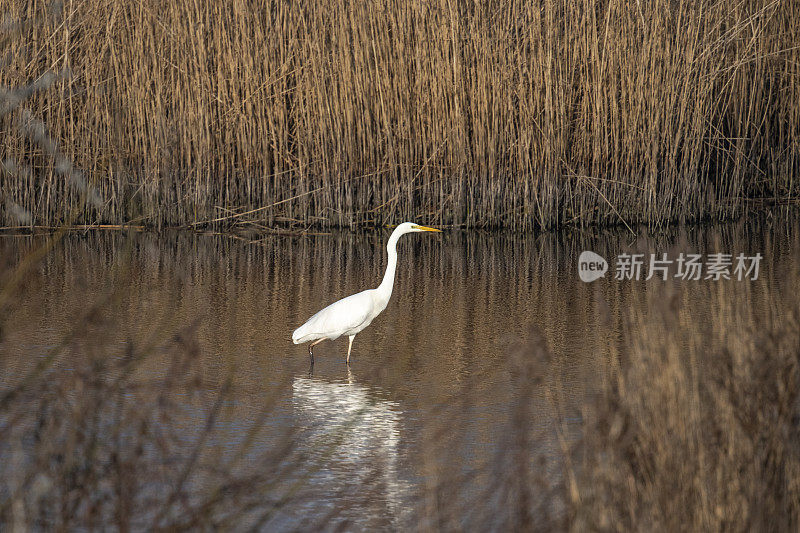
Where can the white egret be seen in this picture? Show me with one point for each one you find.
(350, 315)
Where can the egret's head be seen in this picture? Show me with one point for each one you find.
(408, 227)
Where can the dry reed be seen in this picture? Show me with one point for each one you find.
(493, 114)
(696, 427)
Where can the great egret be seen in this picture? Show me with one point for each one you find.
(350, 315)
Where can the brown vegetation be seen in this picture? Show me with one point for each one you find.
(511, 114)
(697, 427)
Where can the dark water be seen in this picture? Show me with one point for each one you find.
(430, 393)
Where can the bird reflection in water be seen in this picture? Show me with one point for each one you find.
(353, 437)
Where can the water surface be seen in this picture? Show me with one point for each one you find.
(431, 391)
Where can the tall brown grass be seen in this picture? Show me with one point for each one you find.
(513, 114)
(696, 426)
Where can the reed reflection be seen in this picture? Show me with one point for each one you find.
(432, 391)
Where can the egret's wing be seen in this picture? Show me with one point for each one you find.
(337, 318)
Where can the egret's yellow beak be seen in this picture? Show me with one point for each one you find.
(426, 228)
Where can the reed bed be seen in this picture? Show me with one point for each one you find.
(491, 114)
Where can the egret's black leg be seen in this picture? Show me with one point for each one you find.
(311, 366)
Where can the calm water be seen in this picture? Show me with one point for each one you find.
(430, 389)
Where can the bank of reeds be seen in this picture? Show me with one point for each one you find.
(511, 114)
(694, 423)
(696, 427)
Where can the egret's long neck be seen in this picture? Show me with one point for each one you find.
(385, 288)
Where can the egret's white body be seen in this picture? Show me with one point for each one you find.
(350, 315)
